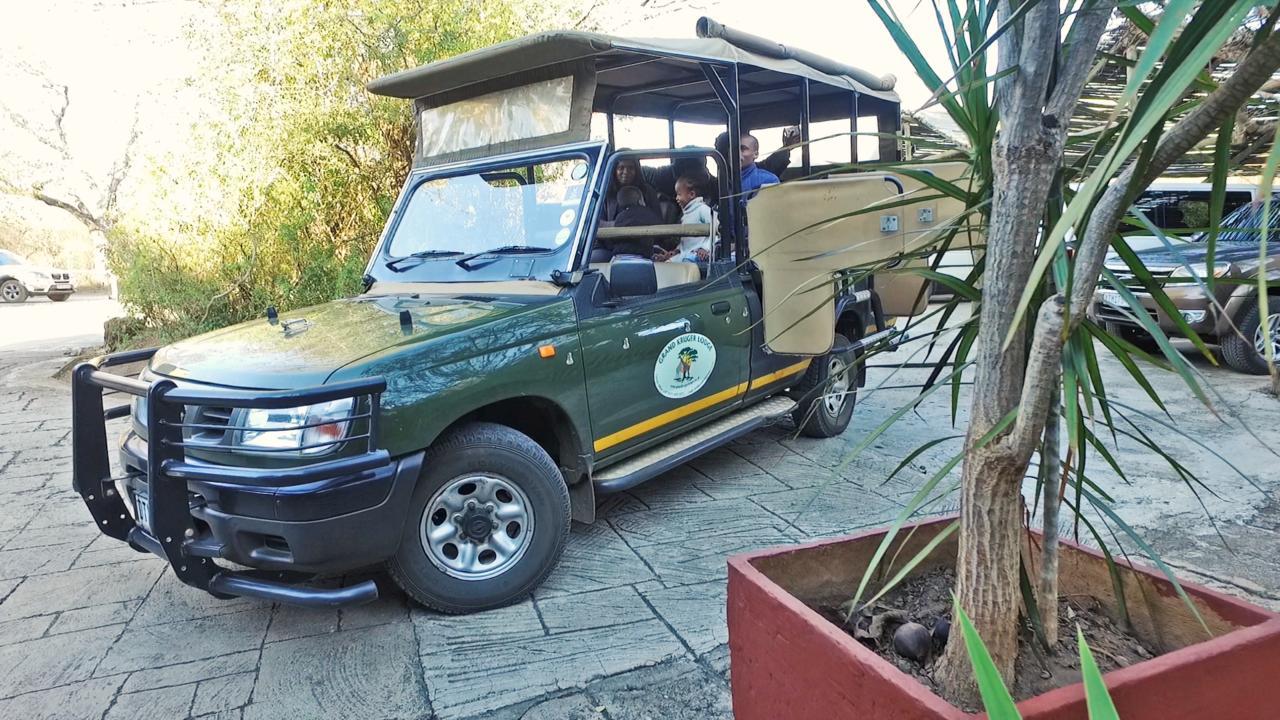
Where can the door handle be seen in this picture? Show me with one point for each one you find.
(720, 308)
(681, 325)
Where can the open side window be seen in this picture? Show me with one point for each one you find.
(634, 243)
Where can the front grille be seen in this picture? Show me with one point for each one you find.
(218, 418)
(61, 276)
(1126, 276)
(1112, 314)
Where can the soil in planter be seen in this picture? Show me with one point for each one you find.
(926, 599)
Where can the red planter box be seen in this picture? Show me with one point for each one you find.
(787, 661)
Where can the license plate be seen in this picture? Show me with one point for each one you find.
(62, 286)
(1114, 300)
(142, 505)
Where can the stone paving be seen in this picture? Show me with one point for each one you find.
(631, 625)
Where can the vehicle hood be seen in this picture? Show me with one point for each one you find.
(31, 269)
(1191, 253)
(304, 347)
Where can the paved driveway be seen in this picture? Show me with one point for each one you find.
(631, 625)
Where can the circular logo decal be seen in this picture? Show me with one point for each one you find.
(684, 365)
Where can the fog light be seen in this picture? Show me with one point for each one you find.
(1193, 316)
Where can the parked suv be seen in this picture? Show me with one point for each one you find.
(20, 279)
(1229, 314)
(492, 380)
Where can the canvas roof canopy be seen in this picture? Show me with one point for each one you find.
(662, 78)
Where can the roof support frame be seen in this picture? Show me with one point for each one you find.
(726, 90)
(805, 164)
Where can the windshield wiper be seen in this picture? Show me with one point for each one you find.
(465, 262)
(422, 255)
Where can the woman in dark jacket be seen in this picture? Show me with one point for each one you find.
(627, 173)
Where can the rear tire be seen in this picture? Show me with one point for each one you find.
(1245, 353)
(826, 394)
(487, 522)
(12, 291)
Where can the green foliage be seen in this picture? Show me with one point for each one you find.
(995, 696)
(294, 178)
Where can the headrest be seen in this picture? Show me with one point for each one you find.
(632, 277)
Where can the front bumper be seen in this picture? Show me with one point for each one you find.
(321, 518)
(46, 287)
(1203, 319)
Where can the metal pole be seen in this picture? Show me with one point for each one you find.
(612, 145)
(853, 129)
(671, 133)
(735, 164)
(804, 126)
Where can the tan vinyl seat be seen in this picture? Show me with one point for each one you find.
(670, 274)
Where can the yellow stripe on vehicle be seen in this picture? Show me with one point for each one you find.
(669, 416)
(787, 371)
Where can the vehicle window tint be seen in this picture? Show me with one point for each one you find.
(1178, 210)
(531, 206)
(8, 258)
(1243, 225)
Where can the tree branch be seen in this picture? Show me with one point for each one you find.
(76, 209)
(121, 169)
(1007, 51)
(1039, 381)
(1035, 65)
(1077, 59)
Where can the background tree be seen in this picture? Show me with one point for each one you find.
(290, 174)
(49, 166)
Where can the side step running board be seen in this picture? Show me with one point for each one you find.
(655, 461)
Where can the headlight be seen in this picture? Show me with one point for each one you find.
(309, 429)
(1201, 270)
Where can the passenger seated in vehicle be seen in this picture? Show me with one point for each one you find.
(663, 178)
(693, 248)
(754, 177)
(627, 174)
(632, 213)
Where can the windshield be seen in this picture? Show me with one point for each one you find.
(1245, 225)
(500, 222)
(8, 258)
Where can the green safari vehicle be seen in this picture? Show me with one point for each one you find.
(491, 382)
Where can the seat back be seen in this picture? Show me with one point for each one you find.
(629, 278)
(667, 274)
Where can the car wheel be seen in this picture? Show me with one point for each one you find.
(826, 394)
(487, 521)
(12, 291)
(1246, 351)
(59, 297)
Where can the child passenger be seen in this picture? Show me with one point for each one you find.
(693, 248)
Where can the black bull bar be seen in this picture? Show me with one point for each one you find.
(172, 527)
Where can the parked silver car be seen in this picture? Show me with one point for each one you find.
(20, 279)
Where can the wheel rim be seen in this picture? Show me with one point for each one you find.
(477, 526)
(836, 396)
(9, 290)
(1272, 327)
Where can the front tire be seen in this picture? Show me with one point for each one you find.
(12, 291)
(1246, 353)
(59, 297)
(487, 522)
(826, 394)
